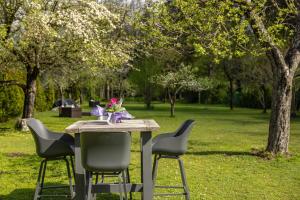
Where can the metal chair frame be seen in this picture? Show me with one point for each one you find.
(103, 175)
(184, 186)
(122, 177)
(41, 179)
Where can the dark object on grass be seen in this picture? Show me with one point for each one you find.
(86, 113)
(93, 103)
(51, 146)
(65, 103)
(172, 146)
(70, 112)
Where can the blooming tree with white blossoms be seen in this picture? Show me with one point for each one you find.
(45, 35)
(182, 79)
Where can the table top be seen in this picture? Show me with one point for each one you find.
(126, 125)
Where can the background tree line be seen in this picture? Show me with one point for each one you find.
(235, 52)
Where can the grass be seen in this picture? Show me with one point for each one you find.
(218, 164)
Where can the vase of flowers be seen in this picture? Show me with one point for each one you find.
(113, 112)
(114, 109)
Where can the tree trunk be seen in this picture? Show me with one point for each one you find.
(172, 99)
(279, 127)
(81, 96)
(148, 96)
(264, 98)
(231, 94)
(61, 91)
(298, 100)
(293, 104)
(107, 90)
(30, 92)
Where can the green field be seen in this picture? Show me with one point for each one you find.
(219, 163)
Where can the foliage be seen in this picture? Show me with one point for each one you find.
(50, 95)
(223, 29)
(11, 100)
(40, 101)
(182, 79)
(64, 36)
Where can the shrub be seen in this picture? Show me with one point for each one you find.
(40, 98)
(11, 102)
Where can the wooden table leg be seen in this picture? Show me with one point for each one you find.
(80, 187)
(146, 165)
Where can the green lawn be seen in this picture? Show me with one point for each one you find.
(218, 163)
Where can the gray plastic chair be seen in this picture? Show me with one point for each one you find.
(107, 154)
(172, 146)
(51, 146)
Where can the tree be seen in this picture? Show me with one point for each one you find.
(236, 27)
(232, 71)
(256, 74)
(142, 75)
(182, 79)
(43, 35)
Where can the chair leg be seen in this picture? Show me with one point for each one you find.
(43, 176)
(69, 177)
(38, 186)
(124, 184)
(73, 168)
(155, 168)
(120, 186)
(96, 182)
(128, 181)
(90, 184)
(183, 178)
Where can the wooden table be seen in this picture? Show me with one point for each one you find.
(145, 127)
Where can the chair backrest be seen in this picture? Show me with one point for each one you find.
(105, 151)
(182, 135)
(185, 128)
(40, 134)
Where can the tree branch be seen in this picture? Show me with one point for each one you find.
(260, 31)
(12, 83)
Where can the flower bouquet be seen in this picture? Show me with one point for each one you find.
(113, 112)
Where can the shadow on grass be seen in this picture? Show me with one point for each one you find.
(225, 153)
(28, 193)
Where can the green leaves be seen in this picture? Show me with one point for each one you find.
(184, 78)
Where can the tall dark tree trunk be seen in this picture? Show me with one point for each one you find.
(107, 89)
(81, 96)
(231, 94)
(298, 100)
(61, 93)
(264, 98)
(230, 79)
(30, 92)
(148, 95)
(293, 104)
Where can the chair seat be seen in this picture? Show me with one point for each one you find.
(174, 143)
(62, 145)
(167, 146)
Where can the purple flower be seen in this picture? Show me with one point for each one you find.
(98, 111)
(126, 115)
